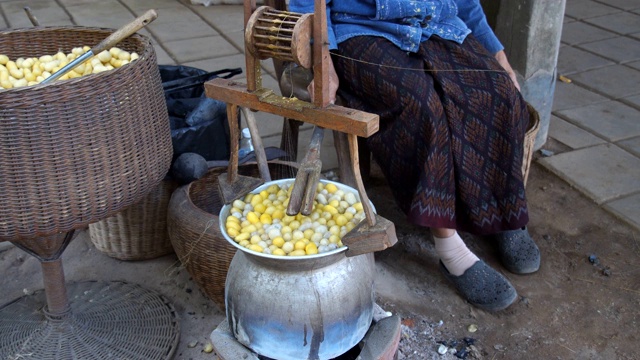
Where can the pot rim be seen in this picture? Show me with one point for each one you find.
(224, 213)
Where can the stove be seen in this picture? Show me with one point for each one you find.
(380, 342)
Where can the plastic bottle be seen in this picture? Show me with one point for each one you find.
(246, 146)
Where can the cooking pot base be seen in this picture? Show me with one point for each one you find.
(380, 343)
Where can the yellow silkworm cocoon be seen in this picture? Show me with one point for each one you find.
(29, 76)
(27, 63)
(115, 51)
(80, 69)
(99, 68)
(104, 56)
(20, 83)
(48, 67)
(115, 62)
(46, 58)
(124, 55)
(16, 73)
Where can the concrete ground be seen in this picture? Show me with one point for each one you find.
(593, 148)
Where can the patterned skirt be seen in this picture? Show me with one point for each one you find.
(452, 127)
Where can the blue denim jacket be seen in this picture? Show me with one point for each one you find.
(406, 23)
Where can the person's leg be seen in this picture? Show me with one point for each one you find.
(517, 251)
(452, 251)
(413, 149)
(478, 283)
(488, 141)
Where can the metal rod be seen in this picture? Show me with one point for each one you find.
(281, 13)
(271, 38)
(79, 60)
(277, 55)
(272, 29)
(277, 21)
(272, 47)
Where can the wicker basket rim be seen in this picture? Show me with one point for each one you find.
(145, 43)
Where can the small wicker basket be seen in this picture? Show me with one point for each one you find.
(139, 232)
(529, 141)
(194, 229)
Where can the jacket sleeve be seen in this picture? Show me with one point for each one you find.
(307, 6)
(470, 11)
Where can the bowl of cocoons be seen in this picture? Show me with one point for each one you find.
(258, 223)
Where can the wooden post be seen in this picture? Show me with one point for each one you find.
(251, 62)
(320, 55)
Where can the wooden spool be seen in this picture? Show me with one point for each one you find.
(282, 35)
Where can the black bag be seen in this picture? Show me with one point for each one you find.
(198, 123)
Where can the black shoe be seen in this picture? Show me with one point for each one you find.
(483, 287)
(518, 252)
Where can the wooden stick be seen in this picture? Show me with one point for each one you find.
(32, 18)
(355, 165)
(249, 8)
(234, 146)
(258, 147)
(320, 55)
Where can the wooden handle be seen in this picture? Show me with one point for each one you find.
(258, 147)
(32, 18)
(125, 31)
(355, 165)
(234, 135)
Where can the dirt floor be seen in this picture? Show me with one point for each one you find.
(582, 304)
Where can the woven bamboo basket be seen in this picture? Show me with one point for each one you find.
(529, 141)
(194, 229)
(77, 151)
(138, 232)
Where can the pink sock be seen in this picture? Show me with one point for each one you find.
(454, 254)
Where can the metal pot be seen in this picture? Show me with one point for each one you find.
(308, 307)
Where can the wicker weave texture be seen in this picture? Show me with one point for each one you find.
(529, 141)
(194, 228)
(76, 151)
(138, 232)
(113, 320)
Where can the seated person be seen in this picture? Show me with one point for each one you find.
(452, 127)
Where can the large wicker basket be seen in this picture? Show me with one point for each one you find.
(138, 232)
(77, 151)
(194, 228)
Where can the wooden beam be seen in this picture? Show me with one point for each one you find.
(332, 117)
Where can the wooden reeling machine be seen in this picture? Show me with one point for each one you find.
(302, 39)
